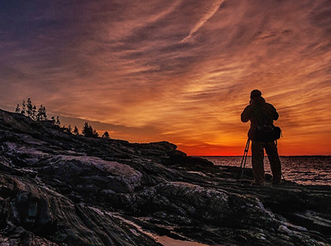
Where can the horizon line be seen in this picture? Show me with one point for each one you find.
(264, 156)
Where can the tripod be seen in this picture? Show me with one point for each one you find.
(243, 160)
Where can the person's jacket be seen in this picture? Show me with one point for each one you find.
(259, 113)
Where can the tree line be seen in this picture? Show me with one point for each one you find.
(29, 110)
(87, 131)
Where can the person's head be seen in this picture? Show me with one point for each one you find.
(255, 94)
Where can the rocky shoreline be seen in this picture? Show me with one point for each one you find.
(61, 189)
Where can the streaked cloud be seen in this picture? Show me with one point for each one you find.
(212, 7)
(178, 70)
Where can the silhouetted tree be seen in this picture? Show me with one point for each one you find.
(105, 135)
(31, 111)
(76, 131)
(42, 115)
(29, 108)
(95, 133)
(66, 129)
(17, 110)
(57, 121)
(34, 112)
(88, 131)
(23, 107)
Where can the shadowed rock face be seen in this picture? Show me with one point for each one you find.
(61, 189)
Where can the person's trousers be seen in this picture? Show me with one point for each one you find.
(258, 165)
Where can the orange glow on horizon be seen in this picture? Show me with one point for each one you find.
(198, 151)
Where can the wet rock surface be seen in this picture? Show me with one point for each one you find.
(61, 189)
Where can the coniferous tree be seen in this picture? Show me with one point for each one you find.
(34, 112)
(57, 121)
(95, 134)
(54, 121)
(105, 134)
(41, 115)
(76, 131)
(29, 108)
(17, 110)
(44, 113)
(88, 131)
(23, 108)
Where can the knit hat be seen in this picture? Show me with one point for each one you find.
(255, 94)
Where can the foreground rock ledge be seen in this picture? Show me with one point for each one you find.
(61, 189)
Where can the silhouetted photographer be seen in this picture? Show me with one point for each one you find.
(263, 134)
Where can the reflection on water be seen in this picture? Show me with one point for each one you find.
(164, 240)
(307, 170)
(167, 241)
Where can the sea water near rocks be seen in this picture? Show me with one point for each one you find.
(305, 170)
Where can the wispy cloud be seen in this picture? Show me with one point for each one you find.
(210, 11)
(178, 70)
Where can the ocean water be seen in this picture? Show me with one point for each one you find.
(306, 170)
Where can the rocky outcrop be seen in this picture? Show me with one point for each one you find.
(61, 189)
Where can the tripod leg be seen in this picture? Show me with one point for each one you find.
(246, 152)
(243, 160)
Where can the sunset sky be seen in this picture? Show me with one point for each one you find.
(175, 70)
